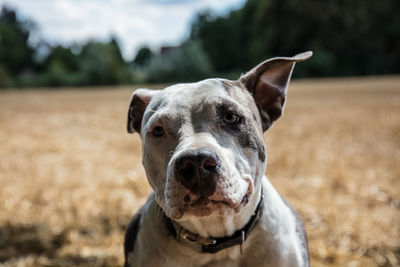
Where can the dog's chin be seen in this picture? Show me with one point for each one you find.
(203, 207)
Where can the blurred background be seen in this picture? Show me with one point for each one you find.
(81, 43)
(71, 177)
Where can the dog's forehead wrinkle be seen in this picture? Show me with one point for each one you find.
(188, 105)
(155, 104)
(200, 97)
(192, 93)
(239, 92)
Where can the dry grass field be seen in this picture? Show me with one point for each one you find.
(71, 177)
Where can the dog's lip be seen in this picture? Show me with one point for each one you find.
(203, 206)
(194, 205)
(203, 201)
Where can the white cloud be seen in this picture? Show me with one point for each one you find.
(134, 22)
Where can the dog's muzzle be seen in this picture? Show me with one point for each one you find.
(198, 171)
(212, 244)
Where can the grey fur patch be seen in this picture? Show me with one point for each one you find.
(130, 235)
(247, 133)
(244, 134)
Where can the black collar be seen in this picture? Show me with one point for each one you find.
(211, 244)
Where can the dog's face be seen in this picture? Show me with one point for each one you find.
(203, 149)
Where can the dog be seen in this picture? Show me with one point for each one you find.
(204, 157)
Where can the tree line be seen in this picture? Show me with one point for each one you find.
(348, 37)
(22, 64)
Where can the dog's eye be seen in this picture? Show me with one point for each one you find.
(158, 131)
(231, 118)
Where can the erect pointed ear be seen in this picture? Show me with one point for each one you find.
(268, 84)
(139, 101)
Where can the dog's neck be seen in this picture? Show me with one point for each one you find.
(219, 226)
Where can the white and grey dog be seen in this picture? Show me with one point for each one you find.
(205, 158)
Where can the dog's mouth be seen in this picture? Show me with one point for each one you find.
(201, 206)
(204, 201)
(183, 203)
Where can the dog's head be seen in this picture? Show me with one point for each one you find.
(203, 148)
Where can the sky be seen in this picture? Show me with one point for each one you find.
(134, 22)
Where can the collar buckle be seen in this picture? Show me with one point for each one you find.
(243, 238)
(191, 237)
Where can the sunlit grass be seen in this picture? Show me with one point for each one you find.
(71, 177)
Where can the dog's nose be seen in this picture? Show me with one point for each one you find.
(198, 171)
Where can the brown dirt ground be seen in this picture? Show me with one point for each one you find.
(71, 177)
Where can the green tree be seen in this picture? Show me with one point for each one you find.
(102, 63)
(16, 55)
(220, 38)
(143, 56)
(96, 64)
(65, 55)
(60, 68)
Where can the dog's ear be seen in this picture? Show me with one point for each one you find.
(139, 101)
(268, 84)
